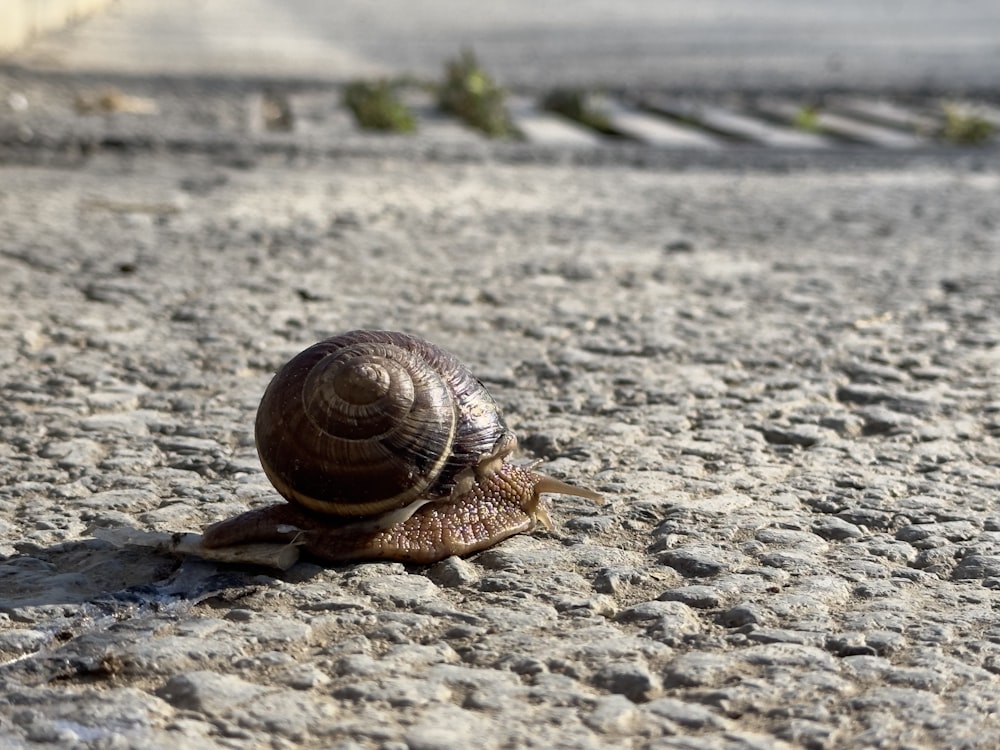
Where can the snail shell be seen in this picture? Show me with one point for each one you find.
(386, 446)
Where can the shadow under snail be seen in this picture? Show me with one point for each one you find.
(387, 447)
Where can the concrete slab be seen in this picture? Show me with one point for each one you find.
(784, 384)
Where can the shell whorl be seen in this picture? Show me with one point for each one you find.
(369, 421)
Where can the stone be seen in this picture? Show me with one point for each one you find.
(977, 566)
(403, 590)
(633, 680)
(698, 561)
(743, 614)
(687, 715)
(453, 572)
(699, 670)
(209, 692)
(698, 597)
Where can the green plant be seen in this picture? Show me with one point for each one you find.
(579, 106)
(376, 106)
(963, 127)
(471, 94)
(807, 118)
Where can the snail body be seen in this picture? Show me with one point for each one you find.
(387, 447)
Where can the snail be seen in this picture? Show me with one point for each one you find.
(385, 446)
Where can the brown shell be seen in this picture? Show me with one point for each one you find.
(369, 421)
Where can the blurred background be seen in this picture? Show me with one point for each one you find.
(900, 75)
(718, 44)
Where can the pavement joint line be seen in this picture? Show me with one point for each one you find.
(729, 121)
(655, 130)
(886, 112)
(845, 126)
(35, 113)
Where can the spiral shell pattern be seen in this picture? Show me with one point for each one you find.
(369, 421)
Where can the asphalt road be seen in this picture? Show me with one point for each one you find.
(784, 381)
(785, 386)
(712, 44)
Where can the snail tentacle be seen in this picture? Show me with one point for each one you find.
(386, 446)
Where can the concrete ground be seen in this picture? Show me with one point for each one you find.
(780, 368)
(784, 384)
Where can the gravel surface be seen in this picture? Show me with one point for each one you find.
(785, 385)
